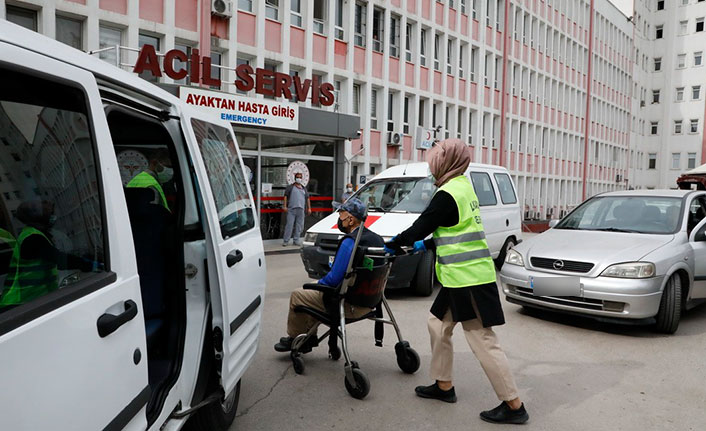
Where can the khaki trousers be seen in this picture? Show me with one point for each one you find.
(301, 323)
(483, 343)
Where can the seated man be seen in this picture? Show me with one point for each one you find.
(350, 217)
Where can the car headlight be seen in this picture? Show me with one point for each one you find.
(310, 237)
(631, 270)
(514, 258)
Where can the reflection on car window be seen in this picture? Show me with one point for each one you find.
(51, 226)
(697, 212)
(398, 194)
(225, 174)
(484, 189)
(639, 214)
(507, 193)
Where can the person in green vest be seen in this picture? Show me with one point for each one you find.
(33, 265)
(155, 177)
(466, 272)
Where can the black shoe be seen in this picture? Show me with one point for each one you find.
(503, 414)
(284, 345)
(433, 391)
(309, 344)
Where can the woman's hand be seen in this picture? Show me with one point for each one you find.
(419, 247)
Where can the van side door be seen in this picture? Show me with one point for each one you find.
(490, 213)
(72, 335)
(235, 254)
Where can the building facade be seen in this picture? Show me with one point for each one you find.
(544, 87)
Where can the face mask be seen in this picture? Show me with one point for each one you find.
(298, 180)
(341, 227)
(349, 189)
(165, 175)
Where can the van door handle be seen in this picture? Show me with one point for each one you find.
(234, 257)
(109, 323)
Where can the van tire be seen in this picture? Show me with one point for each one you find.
(500, 260)
(669, 312)
(423, 281)
(216, 416)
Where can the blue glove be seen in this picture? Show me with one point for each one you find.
(419, 247)
(389, 250)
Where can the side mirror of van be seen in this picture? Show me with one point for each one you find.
(553, 223)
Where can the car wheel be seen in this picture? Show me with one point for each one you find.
(509, 243)
(670, 306)
(423, 281)
(217, 416)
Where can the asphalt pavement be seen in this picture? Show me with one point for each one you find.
(573, 373)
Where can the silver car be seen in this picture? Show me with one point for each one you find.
(631, 257)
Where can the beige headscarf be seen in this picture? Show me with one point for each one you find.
(448, 159)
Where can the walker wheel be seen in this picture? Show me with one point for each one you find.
(407, 357)
(362, 384)
(334, 353)
(297, 363)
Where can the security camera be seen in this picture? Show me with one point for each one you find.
(357, 134)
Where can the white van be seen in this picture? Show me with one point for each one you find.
(396, 197)
(143, 304)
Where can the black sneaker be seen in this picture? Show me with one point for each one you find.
(433, 391)
(503, 414)
(284, 345)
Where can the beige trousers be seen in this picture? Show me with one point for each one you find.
(300, 323)
(484, 344)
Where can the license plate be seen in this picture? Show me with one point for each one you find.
(555, 286)
(330, 260)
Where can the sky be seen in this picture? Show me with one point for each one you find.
(625, 6)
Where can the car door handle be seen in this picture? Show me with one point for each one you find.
(109, 323)
(234, 257)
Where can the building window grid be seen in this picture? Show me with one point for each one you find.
(694, 125)
(360, 24)
(296, 13)
(272, 9)
(677, 127)
(698, 58)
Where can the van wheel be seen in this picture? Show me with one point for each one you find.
(423, 281)
(216, 416)
(509, 243)
(670, 307)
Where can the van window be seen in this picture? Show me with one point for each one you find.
(228, 183)
(507, 193)
(409, 195)
(51, 223)
(484, 189)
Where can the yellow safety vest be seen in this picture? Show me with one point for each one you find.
(462, 255)
(145, 180)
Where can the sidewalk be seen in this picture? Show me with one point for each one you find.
(274, 246)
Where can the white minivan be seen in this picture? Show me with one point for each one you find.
(122, 306)
(396, 197)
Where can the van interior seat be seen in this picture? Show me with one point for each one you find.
(149, 222)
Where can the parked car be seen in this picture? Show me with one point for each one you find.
(396, 197)
(630, 257)
(151, 312)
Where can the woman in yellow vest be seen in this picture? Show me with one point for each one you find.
(466, 272)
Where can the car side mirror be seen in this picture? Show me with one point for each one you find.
(553, 223)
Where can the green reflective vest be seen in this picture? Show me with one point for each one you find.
(462, 255)
(28, 278)
(145, 180)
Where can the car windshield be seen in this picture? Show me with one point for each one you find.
(408, 195)
(636, 214)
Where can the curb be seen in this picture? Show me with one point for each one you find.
(284, 250)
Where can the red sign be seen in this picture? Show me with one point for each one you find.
(264, 81)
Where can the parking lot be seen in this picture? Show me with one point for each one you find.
(573, 373)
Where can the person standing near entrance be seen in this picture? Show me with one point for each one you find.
(347, 193)
(468, 294)
(296, 203)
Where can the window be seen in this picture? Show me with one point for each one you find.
(681, 61)
(683, 27)
(657, 64)
(463, 7)
(474, 5)
(680, 94)
(374, 109)
(69, 31)
(659, 31)
(507, 193)
(296, 15)
(699, 25)
(484, 189)
(23, 17)
(421, 113)
(652, 161)
(216, 59)
(339, 33)
(696, 92)
(461, 61)
(684, 2)
(655, 96)
(57, 202)
(691, 161)
(356, 98)
(320, 16)
(694, 125)
(228, 183)
(660, 4)
(245, 5)
(185, 65)
(390, 111)
(405, 116)
(677, 127)
(676, 160)
(437, 48)
(272, 9)
(449, 56)
(109, 37)
(240, 61)
(698, 58)
(359, 27)
(423, 48)
(474, 60)
(146, 39)
(408, 42)
(378, 29)
(654, 127)
(395, 36)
